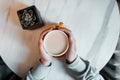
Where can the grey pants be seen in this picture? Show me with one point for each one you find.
(112, 70)
(6, 73)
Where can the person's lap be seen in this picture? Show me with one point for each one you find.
(6, 73)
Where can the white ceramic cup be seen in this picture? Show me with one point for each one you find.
(56, 43)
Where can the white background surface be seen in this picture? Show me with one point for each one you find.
(95, 25)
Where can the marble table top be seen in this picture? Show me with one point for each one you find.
(95, 25)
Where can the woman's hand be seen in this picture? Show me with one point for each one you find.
(44, 57)
(71, 53)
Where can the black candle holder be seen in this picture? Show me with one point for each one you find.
(30, 18)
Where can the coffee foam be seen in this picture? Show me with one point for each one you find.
(56, 42)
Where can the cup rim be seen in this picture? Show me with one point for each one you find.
(66, 43)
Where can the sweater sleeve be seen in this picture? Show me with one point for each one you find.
(81, 70)
(39, 72)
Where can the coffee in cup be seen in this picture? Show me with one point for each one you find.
(56, 43)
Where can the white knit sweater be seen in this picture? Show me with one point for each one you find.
(80, 70)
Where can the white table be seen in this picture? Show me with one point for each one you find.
(95, 25)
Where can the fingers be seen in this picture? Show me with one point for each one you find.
(69, 34)
(40, 42)
(44, 33)
(67, 31)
